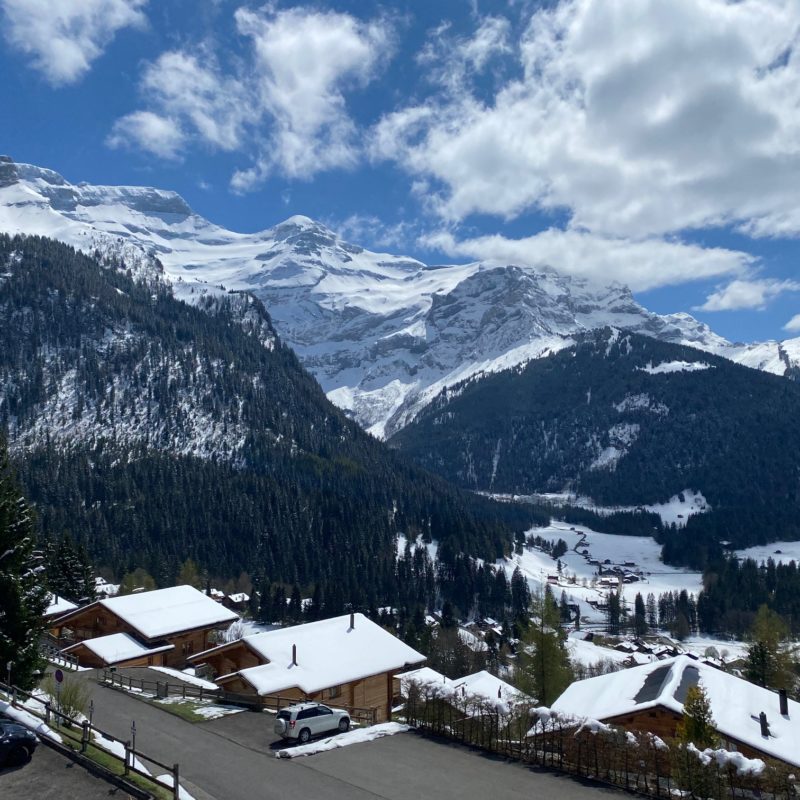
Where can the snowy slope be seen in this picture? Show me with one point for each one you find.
(382, 334)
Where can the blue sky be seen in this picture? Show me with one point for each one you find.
(655, 144)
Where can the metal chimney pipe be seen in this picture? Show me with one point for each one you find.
(294, 655)
(352, 620)
(783, 700)
(762, 718)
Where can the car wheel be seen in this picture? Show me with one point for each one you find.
(305, 736)
(344, 725)
(18, 756)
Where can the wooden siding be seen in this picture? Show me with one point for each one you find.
(663, 722)
(95, 621)
(233, 658)
(373, 692)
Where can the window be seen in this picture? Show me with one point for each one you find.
(335, 691)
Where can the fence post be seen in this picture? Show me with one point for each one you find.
(47, 712)
(176, 786)
(127, 756)
(13, 696)
(84, 735)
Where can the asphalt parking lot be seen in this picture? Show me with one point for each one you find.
(51, 776)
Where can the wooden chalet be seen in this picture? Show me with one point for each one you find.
(755, 721)
(161, 627)
(346, 660)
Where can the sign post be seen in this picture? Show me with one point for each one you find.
(59, 676)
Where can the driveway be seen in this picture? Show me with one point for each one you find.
(51, 776)
(233, 758)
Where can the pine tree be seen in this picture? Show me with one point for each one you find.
(771, 662)
(639, 616)
(543, 666)
(23, 594)
(697, 725)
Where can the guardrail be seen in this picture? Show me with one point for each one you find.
(82, 732)
(55, 655)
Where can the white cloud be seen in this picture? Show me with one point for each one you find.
(637, 117)
(450, 60)
(64, 37)
(740, 294)
(194, 90)
(642, 265)
(285, 102)
(305, 61)
(793, 325)
(158, 135)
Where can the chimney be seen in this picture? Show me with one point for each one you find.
(762, 718)
(294, 655)
(352, 620)
(784, 702)
(499, 692)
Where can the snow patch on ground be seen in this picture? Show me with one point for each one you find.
(779, 552)
(667, 367)
(169, 781)
(357, 736)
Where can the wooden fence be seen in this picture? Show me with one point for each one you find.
(164, 688)
(82, 733)
(641, 763)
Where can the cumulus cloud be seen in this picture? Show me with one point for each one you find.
(63, 38)
(741, 294)
(158, 135)
(305, 61)
(636, 118)
(642, 264)
(793, 325)
(286, 102)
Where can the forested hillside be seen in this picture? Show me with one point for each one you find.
(154, 431)
(629, 420)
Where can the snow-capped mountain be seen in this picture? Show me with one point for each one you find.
(382, 334)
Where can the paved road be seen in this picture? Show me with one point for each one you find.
(233, 758)
(51, 776)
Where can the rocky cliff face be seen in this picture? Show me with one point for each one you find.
(382, 334)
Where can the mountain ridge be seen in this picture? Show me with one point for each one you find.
(383, 334)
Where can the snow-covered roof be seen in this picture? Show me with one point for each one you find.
(162, 612)
(423, 677)
(239, 597)
(487, 686)
(329, 652)
(58, 606)
(735, 703)
(117, 647)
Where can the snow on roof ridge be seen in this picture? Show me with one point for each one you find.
(322, 661)
(735, 703)
(155, 610)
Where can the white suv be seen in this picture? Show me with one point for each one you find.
(305, 720)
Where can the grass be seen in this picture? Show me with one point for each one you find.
(104, 759)
(185, 710)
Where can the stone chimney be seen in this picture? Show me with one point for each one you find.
(783, 700)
